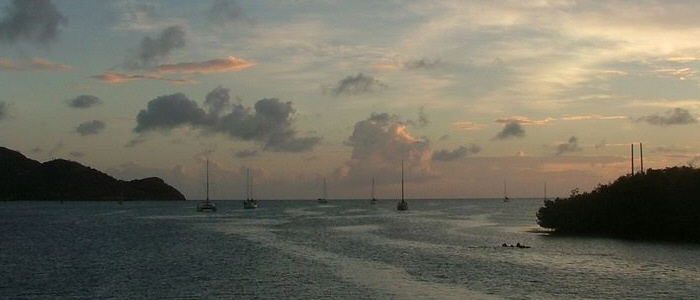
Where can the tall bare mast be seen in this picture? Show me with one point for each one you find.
(402, 181)
(207, 179)
(632, 157)
(641, 159)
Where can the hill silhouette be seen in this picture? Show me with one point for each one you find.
(22, 178)
(658, 204)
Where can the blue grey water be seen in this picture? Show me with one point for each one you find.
(439, 249)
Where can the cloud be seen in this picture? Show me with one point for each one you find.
(31, 65)
(135, 141)
(229, 64)
(570, 146)
(152, 49)
(467, 125)
(462, 151)
(83, 101)
(424, 63)
(31, 20)
(227, 11)
(170, 111)
(90, 127)
(246, 153)
(677, 116)
(379, 144)
(269, 123)
(4, 110)
(593, 117)
(110, 77)
(138, 15)
(512, 129)
(217, 100)
(358, 84)
(524, 120)
(418, 64)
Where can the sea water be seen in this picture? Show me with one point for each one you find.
(351, 249)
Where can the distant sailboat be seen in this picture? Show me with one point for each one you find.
(545, 191)
(207, 205)
(505, 192)
(374, 200)
(325, 193)
(402, 205)
(249, 202)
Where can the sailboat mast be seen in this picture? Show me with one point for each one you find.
(325, 192)
(402, 181)
(641, 159)
(247, 183)
(545, 191)
(372, 187)
(207, 180)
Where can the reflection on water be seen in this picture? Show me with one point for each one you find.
(440, 249)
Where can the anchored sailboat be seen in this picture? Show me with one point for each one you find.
(374, 200)
(402, 205)
(249, 202)
(206, 205)
(325, 193)
(505, 192)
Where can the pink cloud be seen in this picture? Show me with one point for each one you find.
(31, 65)
(229, 64)
(119, 78)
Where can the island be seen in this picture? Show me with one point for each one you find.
(659, 204)
(22, 178)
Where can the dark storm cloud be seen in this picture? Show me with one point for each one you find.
(570, 146)
(246, 153)
(4, 110)
(677, 116)
(90, 127)
(152, 49)
(358, 84)
(169, 111)
(31, 20)
(217, 100)
(462, 151)
(270, 122)
(512, 129)
(83, 101)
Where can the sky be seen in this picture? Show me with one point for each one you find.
(470, 95)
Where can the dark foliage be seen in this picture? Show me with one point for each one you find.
(658, 204)
(24, 179)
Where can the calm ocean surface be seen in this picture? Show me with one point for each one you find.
(439, 249)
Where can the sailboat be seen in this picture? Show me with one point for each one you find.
(249, 202)
(374, 200)
(207, 205)
(505, 192)
(402, 205)
(325, 193)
